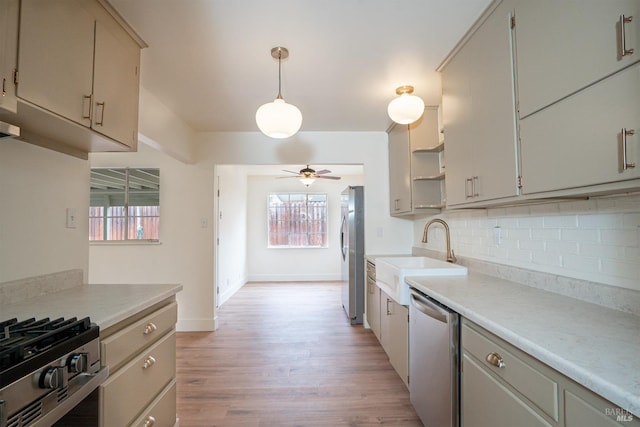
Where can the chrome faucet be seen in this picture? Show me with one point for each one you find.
(450, 255)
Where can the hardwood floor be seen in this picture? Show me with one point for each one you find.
(285, 355)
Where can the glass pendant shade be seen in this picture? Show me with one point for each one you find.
(406, 108)
(278, 119)
(307, 181)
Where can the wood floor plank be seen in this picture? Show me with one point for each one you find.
(285, 355)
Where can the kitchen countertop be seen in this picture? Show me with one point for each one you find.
(106, 305)
(595, 346)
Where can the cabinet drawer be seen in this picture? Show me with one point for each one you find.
(116, 348)
(162, 411)
(124, 395)
(518, 371)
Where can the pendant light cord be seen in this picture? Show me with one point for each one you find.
(279, 75)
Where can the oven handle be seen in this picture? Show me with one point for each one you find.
(77, 397)
(425, 306)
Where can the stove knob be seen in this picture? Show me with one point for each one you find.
(78, 362)
(54, 377)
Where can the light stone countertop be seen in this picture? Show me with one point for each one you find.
(106, 305)
(595, 346)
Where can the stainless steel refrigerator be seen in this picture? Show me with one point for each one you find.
(352, 253)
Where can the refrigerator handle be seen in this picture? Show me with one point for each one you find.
(344, 255)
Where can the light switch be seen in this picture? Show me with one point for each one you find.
(72, 218)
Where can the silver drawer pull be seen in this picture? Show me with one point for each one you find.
(150, 327)
(496, 360)
(149, 422)
(148, 362)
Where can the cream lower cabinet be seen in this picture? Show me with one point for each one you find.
(502, 386)
(141, 355)
(394, 334)
(373, 300)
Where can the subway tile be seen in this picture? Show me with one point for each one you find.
(631, 220)
(531, 222)
(602, 251)
(518, 211)
(546, 258)
(581, 263)
(519, 255)
(544, 209)
(621, 269)
(517, 234)
(611, 220)
(580, 235)
(619, 237)
(546, 234)
(559, 247)
(532, 245)
(560, 221)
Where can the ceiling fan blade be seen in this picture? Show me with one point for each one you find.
(297, 173)
(328, 177)
(323, 171)
(283, 177)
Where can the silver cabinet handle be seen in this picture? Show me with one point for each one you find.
(84, 99)
(474, 189)
(625, 163)
(468, 194)
(150, 327)
(496, 360)
(623, 42)
(148, 362)
(4, 87)
(396, 203)
(101, 122)
(150, 421)
(388, 309)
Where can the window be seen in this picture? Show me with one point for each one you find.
(125, 204)
(297, 220)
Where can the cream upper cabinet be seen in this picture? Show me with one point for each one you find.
(416, 171)
(56, 57)
(564, 46)
(399, 170)
(115, 87)
(479, 114)
(591, 138)
(8, 53)
(77, 62)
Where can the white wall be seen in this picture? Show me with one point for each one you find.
(383, 233)
(231, 265)
(185, 252)
(36, 188)
(596, 240)
(289, 264)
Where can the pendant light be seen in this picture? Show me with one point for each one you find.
(278, 119)
(406, 108)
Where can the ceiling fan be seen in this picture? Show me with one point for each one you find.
(308, 175)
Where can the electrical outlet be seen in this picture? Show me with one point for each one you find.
(497, 235)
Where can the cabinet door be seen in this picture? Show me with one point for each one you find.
(424, 134)
(487, 402)
(56, 57)
(115, 88)
(385, 322)
(399, 170)
(8, 53)
(479, 112)
(580, 413)
(564, 46)
(578, 141)
(373, 307)
(399, 347)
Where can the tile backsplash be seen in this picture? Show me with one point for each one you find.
(596, 239)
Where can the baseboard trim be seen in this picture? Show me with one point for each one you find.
(294, 278)
(196, 325)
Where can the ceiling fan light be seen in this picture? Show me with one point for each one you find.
(406, 108)
(307, 181)
(278, 119)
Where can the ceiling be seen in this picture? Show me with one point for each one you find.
(209, 61)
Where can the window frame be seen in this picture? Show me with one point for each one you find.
(324, 225)
(126, 216)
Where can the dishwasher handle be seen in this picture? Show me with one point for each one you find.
(427, 307)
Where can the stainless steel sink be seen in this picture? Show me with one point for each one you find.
(391, 271)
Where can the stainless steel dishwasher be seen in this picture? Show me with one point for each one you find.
(434, 332)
